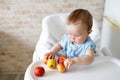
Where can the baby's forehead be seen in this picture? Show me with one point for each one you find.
(76, 28)
(78, 25)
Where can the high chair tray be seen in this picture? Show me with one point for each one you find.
(102, 68)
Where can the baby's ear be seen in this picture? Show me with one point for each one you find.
(89, 31)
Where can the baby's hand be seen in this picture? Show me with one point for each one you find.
(68, 62)
(50, 55)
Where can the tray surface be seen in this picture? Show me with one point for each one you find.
(102, 68)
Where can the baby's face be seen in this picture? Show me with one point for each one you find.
(77, 33)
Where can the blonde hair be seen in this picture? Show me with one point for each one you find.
(81, 15)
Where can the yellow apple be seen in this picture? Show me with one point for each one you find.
(61, 68)
(51, 63)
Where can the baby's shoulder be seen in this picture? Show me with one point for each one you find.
(65, 37)
(89, 41)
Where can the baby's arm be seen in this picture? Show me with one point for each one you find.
(56, 47)
(53, 50)
(84, 60)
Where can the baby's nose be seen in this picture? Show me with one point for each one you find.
(73, 37)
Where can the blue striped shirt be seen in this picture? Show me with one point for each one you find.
(77, 50)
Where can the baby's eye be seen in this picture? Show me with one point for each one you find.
(76, 35)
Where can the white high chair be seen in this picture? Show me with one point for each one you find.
(53, 27)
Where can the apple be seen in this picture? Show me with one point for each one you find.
(51, 63)
(61, 68)
(39, 71)
(45, 59)
(61, 59)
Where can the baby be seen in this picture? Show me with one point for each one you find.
(76, 43)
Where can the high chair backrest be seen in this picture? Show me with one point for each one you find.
(53, 28)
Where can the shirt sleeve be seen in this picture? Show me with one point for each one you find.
(91, 46)
(63, 41)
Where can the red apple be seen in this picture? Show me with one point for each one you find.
(39, 71)
(45, 59)
(61, 68)
(61, 59)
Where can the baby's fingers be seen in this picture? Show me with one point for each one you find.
(46, 55)
(67, 65)
(51, 56)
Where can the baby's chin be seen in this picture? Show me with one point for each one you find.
(77, 43)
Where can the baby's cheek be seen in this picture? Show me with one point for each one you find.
(80, 40)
